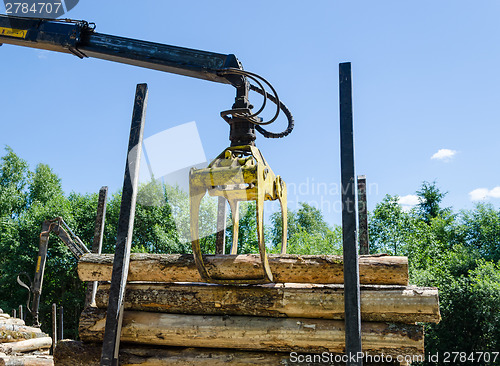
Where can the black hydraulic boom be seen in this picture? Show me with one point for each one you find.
(79, 37)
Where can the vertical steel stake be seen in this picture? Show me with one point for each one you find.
(220, 242)
(97, 243)
(21, 313)
(114, 315)
(60, 327)
(14, 315)
(54, 327)
(351, 266)
(364, 245)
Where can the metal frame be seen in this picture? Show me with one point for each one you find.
(351, 265)
(364, 244)
(97, 243)
(114, 315)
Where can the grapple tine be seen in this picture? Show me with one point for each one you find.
(235, 214)
(284, 215)
(260, 236)
(195, 196)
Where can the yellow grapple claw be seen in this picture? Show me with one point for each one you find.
(239, 173)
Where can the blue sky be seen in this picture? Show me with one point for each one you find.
(426, 78)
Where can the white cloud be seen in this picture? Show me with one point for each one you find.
(481, 194)
(444, 155)
(478, 194)
(495, 192)
(42, 54)
(409, 200)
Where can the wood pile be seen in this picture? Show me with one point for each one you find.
(21, 345)
(171, 318)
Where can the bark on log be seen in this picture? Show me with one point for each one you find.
(73, 353)
(9, 320)
(26, 346)
(378, 303)
(18, 328)
(9, 335)
(252, 333)
(324, 269)
(27, 361)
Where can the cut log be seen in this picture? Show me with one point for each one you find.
(378, 303)
(73, 353)
(26, 346)
(252, 333)
(27, 361)
(324, 269)
(10, 320)
(9, 335)
(18, 328)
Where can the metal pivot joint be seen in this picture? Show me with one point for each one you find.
(242, 130)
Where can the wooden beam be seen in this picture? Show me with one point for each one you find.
(323, 269)
(26, 360)
(27, 345)
(11, 336)
(378, 303)
(73, 353)
(252, 333)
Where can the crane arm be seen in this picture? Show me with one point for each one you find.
(80, 39)
(73, 242)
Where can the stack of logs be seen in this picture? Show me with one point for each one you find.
(172, 318)
(21, 345)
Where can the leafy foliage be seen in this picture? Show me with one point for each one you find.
(308, 233)
(458, 254)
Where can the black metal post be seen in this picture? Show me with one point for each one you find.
(114, 315)
(54, 327)
(14, 315)
(351, 266)
(21, 312)
(60, 327)
(220, 241)
(364, 244)
(97, 243)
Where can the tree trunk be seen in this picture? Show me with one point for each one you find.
(252, 333)
(26, 346)
(72, 353)
(26, 361)
(378, 303)
(322, 269)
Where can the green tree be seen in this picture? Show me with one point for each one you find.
(479, 229)
(247, 229)
(14, 180)
(430, 197)
(308, 232)
(45, 185)
(453, 252)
